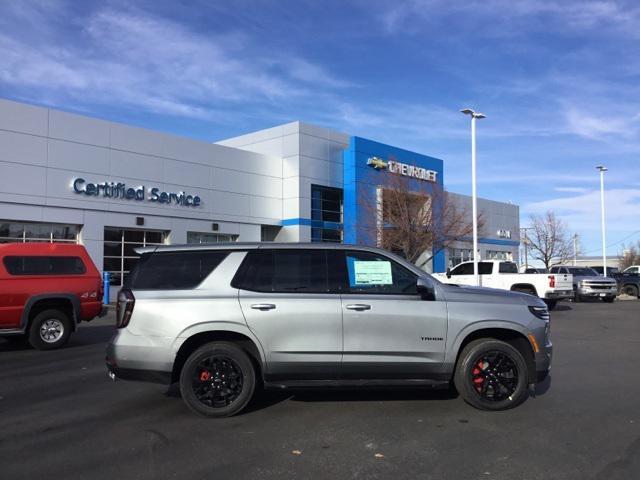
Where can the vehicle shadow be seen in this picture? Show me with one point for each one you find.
(365, 394)
(562, 308)
(81, 338)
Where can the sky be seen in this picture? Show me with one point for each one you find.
(559, 82)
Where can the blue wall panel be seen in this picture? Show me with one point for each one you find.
(361, 182)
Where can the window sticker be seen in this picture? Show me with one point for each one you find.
(372, 272)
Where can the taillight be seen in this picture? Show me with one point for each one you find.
(552, 281)
(124, 307)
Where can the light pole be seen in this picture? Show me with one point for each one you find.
(474, 198)
(575, 249)
(604, 245)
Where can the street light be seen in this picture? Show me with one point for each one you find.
(604, 246)
(474, 200)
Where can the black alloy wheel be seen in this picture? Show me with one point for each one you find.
(492, 374)
(217, 379)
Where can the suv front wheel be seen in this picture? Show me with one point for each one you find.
(217, 380)
(491, 375)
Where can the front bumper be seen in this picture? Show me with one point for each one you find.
(587, 291)
(543, 362)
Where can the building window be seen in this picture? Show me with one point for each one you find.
(499, 255)
(326, 214)
(38, 232)
(268, 233)
(119, 250)
(201, 237)
(459, 255)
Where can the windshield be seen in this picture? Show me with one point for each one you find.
(582, 272)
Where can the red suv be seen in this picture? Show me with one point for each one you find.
(45, 290)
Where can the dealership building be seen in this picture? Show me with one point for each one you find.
(113, 187)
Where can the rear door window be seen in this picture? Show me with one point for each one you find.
(174, 270)
(44, 265)
(484, 268)
(287, 271)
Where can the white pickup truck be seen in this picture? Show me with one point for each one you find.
(505, 276)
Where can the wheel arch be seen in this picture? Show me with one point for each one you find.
(66, 302)
(199, 338)
(506, 333)
(524, 286)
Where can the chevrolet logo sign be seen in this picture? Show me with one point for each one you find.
(376, 163)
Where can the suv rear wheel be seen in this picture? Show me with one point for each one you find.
(491, 375)
(217, 380)
(50, 329)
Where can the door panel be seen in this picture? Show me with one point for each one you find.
(301, 335)
(399, 336)
(292, 305)
(389, 331)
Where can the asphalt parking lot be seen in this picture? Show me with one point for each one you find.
(61, 417)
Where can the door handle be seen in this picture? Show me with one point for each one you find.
(358, 306)
(263, 306)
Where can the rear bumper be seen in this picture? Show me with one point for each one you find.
(559, 294)
(152, 376)
(134, 357)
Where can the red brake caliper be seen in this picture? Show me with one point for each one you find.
(204, 376)
(477, 379)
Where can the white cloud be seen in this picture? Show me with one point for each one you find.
(130, 58)
(571, 189)
(582, 212)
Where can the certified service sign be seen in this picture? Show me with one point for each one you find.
(139, 193)
(403, 169)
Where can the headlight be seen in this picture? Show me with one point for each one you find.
(541, 312)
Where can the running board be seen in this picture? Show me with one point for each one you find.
(360, 383)
(11, 331)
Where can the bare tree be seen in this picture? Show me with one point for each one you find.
(411, 218)
(630, 256)
(548, 239)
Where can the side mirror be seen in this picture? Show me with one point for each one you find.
(425, 288)
(448, 272)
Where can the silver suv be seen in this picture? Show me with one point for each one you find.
(223, 319)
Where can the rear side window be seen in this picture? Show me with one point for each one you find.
(174, 270)
(285, 271)
(44, 265)
(508, 267)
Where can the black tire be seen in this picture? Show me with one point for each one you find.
(468, 371)
(551, 304)
(50, 329)
(199, 383)
(576, 296)
(608, 299)
(630, 290)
